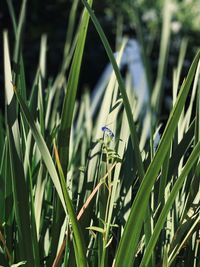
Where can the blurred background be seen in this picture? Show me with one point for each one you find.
(140, 19)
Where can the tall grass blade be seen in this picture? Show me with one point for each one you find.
(122, 89)
(130, 237)
(157, 96)
(168, 205)
(41, 145)
(70, 96)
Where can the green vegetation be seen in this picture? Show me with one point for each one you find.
(78, 189)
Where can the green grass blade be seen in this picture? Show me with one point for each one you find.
(157, 95)
(70, 32)
(53, 173)
(186, 230)
(122, 89)
(80, 251)
(10, 109)
(41, 145)
(130, 237)
(20, 195)
(12, 15)
(17, 58)
(19, 32)
(161, 220)
(70, 96)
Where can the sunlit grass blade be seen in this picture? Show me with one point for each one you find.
(70, 96)
(122, 89)
(157, 96)
(106, 116)
(20, 195)
(179, 150)
(43, 51)
(128, 242)
(70, 33)
(80, 251)
(186, 230)
(100, 179)
(41, 145)
(161, 220)
(11, 117)
(52, 171)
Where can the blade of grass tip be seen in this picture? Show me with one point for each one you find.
(21, 204)
(33, 99)
(43, 50)
(10, 109)
(122, 89)
(17, 172)
(19, 32)
(80, 252)
(168, 205)
(182, 53)
(69, 100)
(70, 96)
(157, 95)
(41, 145)
(22, 215)
(128, 243)
(12, 15)
(70, 31)
(18, 76)
(60, 79)
(53, 173)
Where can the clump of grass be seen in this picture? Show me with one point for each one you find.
(83, 190)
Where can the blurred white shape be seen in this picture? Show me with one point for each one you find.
(132, 60)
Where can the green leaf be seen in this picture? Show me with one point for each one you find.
(128, 243)
(41, 145)
(161, 220)
(70, 96)
(122, 89)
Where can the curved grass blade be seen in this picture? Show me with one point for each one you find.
(79, 248)
(192, 226)
(21, 204)
(41, 145)
(161, 220)
(122, 89)
(60, 187)
(19, 186)
(129, 241)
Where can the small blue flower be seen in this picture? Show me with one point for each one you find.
(107, 132)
